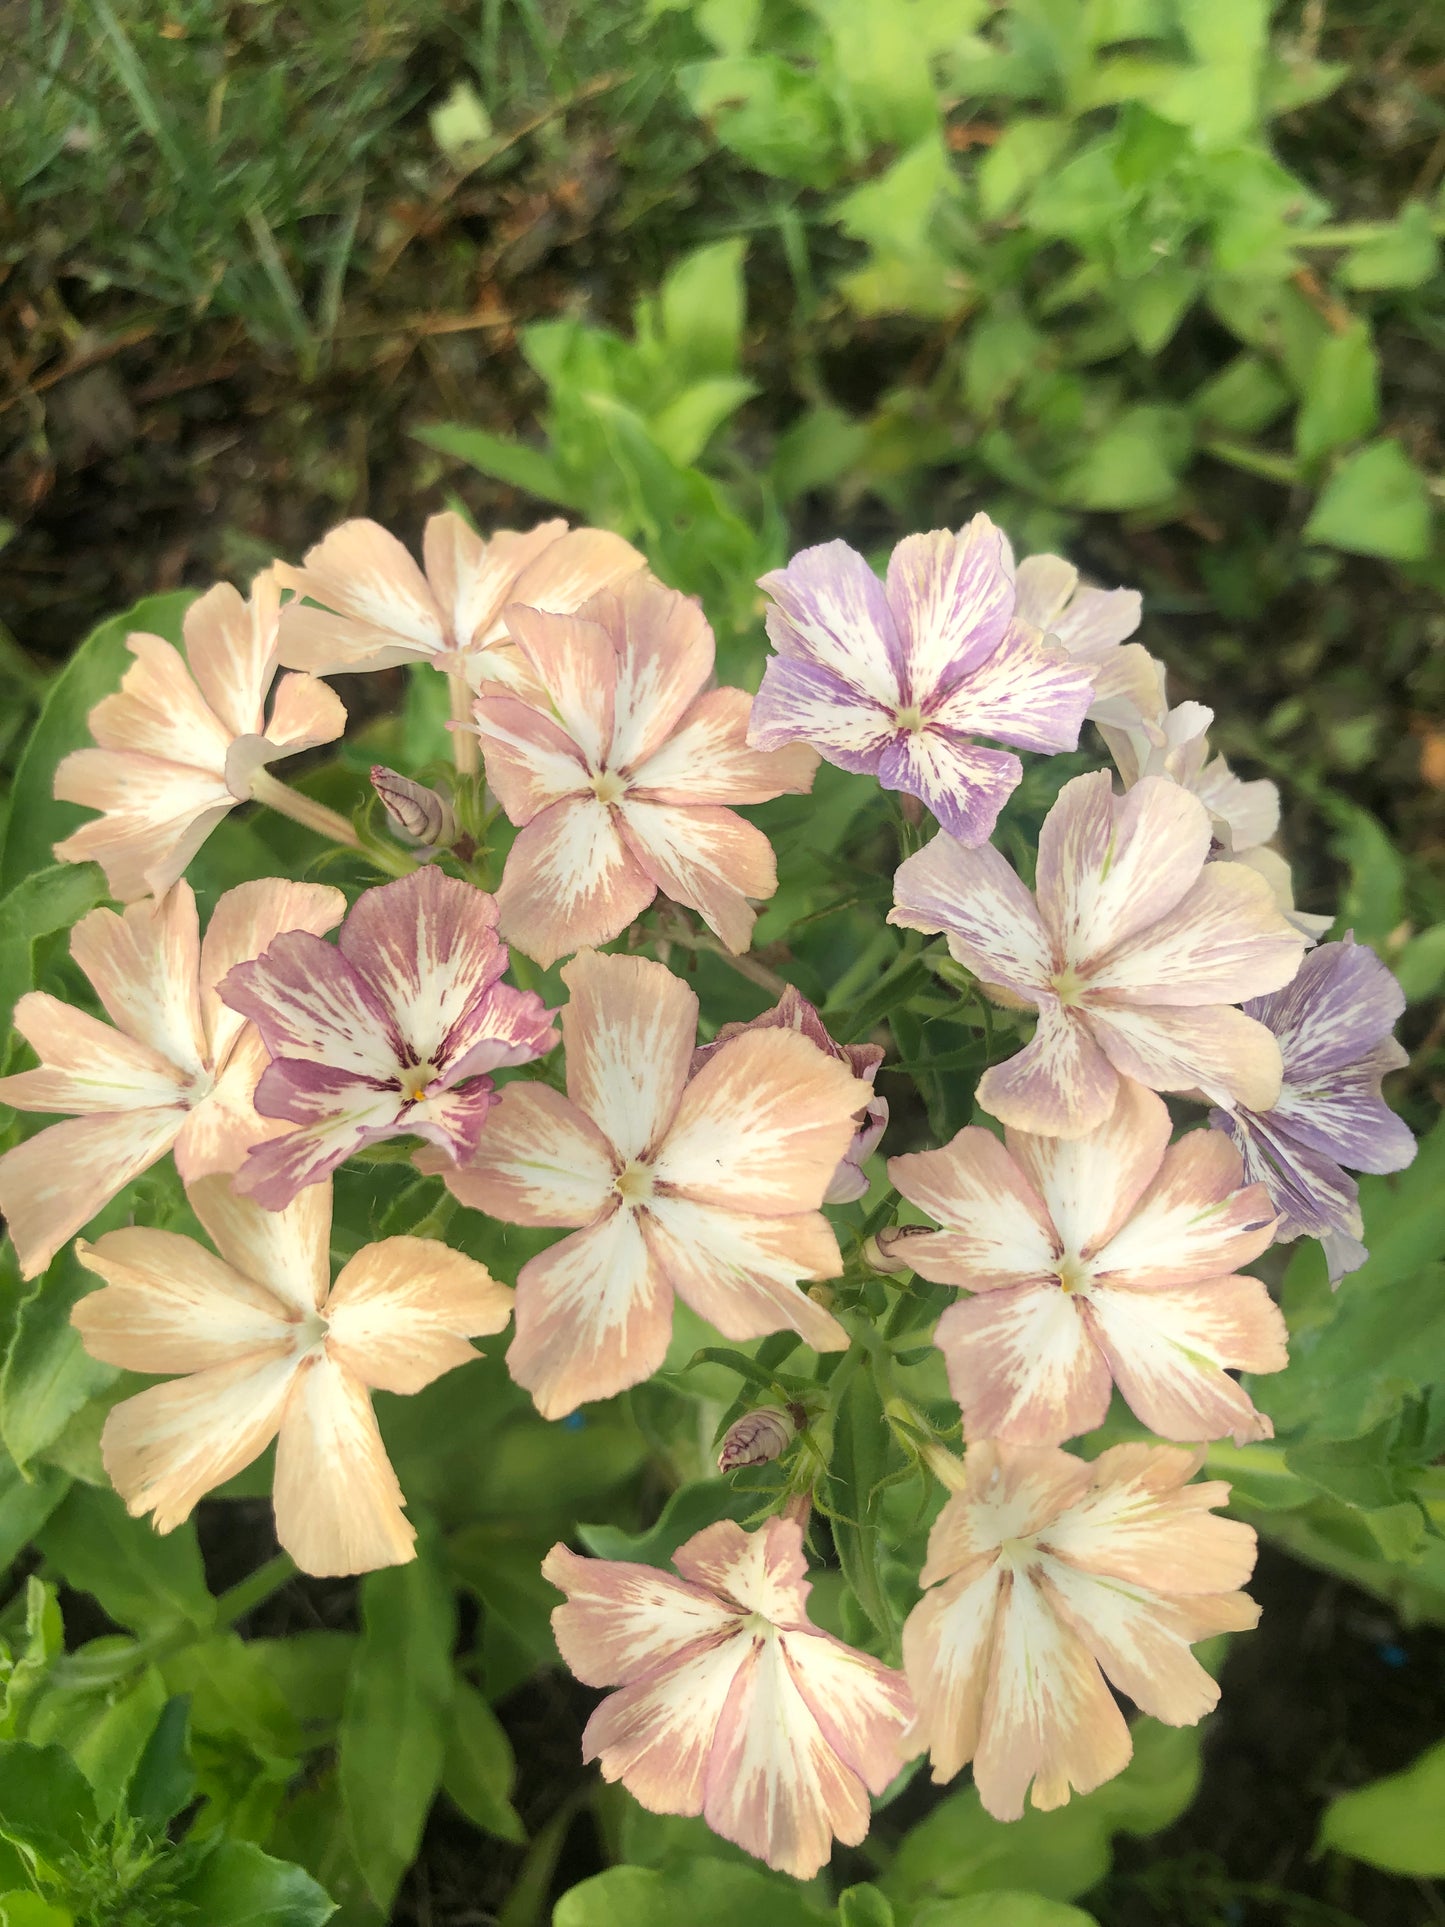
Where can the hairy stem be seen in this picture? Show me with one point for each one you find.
(266, 788)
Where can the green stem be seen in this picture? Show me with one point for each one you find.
(276, 795)
(254, 1590)
(1353, 234)
(1255, 461)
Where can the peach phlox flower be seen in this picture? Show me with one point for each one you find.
(270, 1348)
(178, 1070)
(730, 1703)
(897, 678)
(704, 1186)
(617, 771)
(1132, 954)
(793, 1012)
(389, 1032)
(1094, 626)
(1097, 1261)
(1042, 1570)
(183, 740)
(380, 610)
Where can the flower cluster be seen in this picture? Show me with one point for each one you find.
(1154, 950)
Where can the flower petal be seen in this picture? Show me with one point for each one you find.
(1193, 1223)
(401, 1312)
(656, 1734)
(172, 1444)
(1139, 1520)
(1059, 1085)
(145, 967)
(963, 786)
(774, 1785)
(244, 922)
(664, 659)
(531, 761)
(472, 577)
(221, 1128)
(997, 1230)
(1090, 1185)
(1222, 942)
(309, 1002)
(574, 659)
(160, 711)
(741, 1273)
(765, 1571)
(580, 564)
(86, 1066)
(1340, 1004)
(287, 1251)
(169, 1305)
(338, 1504)
(155, 816)
(1111, 867)
(762, 1125)
(1215, 1049)
(976, 898)
(385, 610)
(1008, 1492)
(862, 1707)
(952, 599)
(624, 1621)
(594, 1315)
(304, 713)
(707, 858)
(571, 881)
(335, 1114)
(1048, 1716)
(540, 1161)
(832, 611)
(629, 1031)
(947, 1639)
(427, 947)
(801, 702)
(1168, 1349)
(56, 1181)
(231, 648)
(706, 759)
(1022, 1365)
(1029, 692)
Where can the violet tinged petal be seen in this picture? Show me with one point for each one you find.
(427, 946)
(801, 702)
(1342, 1002)
(963, 786)
(308, 1002)
(952, 599)
(1345, 1117)
(1096, 621)
(347, 1116)
(1310, 1189)
(1028, 693)
(832, 611)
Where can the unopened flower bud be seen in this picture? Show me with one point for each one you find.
(421, 814)
(755, 1438)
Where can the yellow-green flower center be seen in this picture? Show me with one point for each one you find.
(634, 1183)
(1068, 986)
(608, 786)
(1073, 1274)
(910, 719)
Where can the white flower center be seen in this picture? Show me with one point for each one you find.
(310, 1333)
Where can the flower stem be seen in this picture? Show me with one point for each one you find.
(276, 795)
(466, 750)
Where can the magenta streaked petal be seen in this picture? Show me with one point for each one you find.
(1028, 693)
(832, 611)
(308, 1002)
(427, 948)
(962, 785)
(802, 702)
(504, 1026)
(952, 599)
(348, 1115)
(452, 1120)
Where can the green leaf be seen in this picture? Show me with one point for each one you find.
(105, 1734)
(701, 307)
(1375, 503)
(236, 1885)
(1420, 966)
(1002, 349)
(45, 1801)
(1342, 402)
(25, 1675)
(894, 213)
(703, 1893)
(1405, 255)
(1396, 1822)
(689, 421)
(48, 1374)
(480, 1770)
(163, 1781)
(38, 906)
(1007, 1907)
(1244, 397)
(1134, 464)
(395, 1723)
(25, 1504)
(864, 1906)
(461, 126)
(863, 1455)
(29, 1910)
(958, 1850)
(1022, 154)
(143, 1581)
(37, 822)
(688, 1510)
(880, 56)
(525, 468)
(1153, 305)
(1374, 897)
(770, 114)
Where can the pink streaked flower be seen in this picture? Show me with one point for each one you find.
(618, 771)
(379, 609)
(1132, 954)
(898, 679)
(183, 740)
(1046, 1576)
(731, 1703)
(793, 1012)
(390, 1032)
(705, 1186)
(1334, 1025)
(1094, 626)
(177, 1071)
(268, 1347)
(1097, 1261)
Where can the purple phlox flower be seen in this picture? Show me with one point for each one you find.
(793, 1012)
(389, 1033)
(1094, 626)
(1334, 1024)
(897, 679)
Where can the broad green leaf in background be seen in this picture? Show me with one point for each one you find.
(142, 1580)
(394, 1727)
(1375, 503)
(1023, 153)
(26, 1503)
(1134, 464)
(1342, 402)
(479, 1770)
(688, 1510)
(37, 822)
(1404, 255)
(45, 1802)
(236, 1885)
(701, 308)
(163, 1781)
(894, 214)
(1396, 1823)
(770, 113)
(701, 1893)
(1012, 1907)
(862, 1457)
(38, 906)
(47, 1374)
(29, 1910)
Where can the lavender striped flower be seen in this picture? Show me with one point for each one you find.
(1334, 1024)
(897, 679)
(389, 1033)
